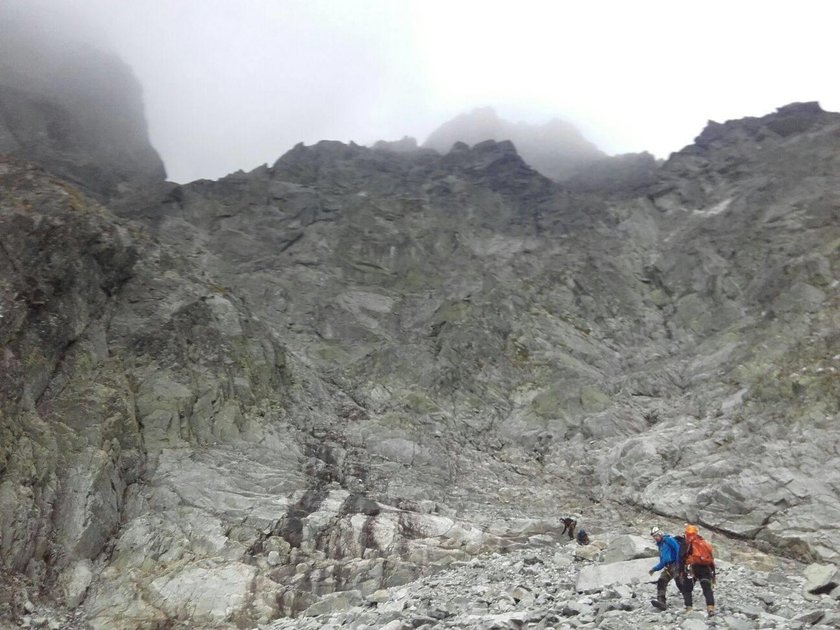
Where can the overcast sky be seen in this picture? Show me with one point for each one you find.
(232, 84)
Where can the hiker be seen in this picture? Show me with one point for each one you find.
(569, 524)
(700, 567)
(583, 537)
(669, 552)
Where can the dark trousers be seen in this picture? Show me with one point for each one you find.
(569, 526)
(668, 573)
(704, 575)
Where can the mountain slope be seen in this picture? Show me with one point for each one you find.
(357, 366)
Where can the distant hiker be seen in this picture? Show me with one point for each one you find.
(569, 525)
(583, 537)
(669, 553)
(700, 567)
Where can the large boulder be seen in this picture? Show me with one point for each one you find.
(597, 577)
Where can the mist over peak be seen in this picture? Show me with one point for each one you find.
(556, 148)
(73, 107)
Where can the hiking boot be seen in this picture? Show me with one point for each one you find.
(710, 610)
(688, 609)
(658, 604)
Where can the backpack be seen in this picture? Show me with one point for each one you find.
(701, 550)
(683, 552)
(671, 543)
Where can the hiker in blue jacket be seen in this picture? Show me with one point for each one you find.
(669, 553)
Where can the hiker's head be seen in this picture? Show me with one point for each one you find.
(691, 532)
(656, 533)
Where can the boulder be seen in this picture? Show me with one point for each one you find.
(821, 579)
(630, 547)
(596, 577)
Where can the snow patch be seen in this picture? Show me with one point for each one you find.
(715, 209)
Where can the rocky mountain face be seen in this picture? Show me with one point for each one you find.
(361, 386)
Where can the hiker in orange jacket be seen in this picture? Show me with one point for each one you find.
(700, 567)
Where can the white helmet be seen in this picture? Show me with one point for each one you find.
(655, 531)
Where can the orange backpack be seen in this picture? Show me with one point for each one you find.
(701, 552)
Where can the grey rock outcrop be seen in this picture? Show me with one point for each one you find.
(629, 548)
(68, 430)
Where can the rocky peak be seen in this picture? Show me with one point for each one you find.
(729, 157)
(785, 121)
(323, 151)
(556, 149)
(496, 164)
(484, 153)
(405, 145)
(808, 107)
